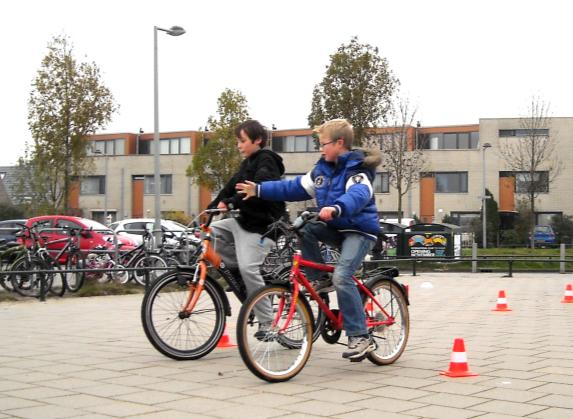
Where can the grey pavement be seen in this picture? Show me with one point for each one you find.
(89, 358)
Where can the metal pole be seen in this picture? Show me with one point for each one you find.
(562, 257)
(474, 257)
(157, 178)
(483, 206)
(106, 188)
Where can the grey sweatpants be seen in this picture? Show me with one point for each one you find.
(243, 249)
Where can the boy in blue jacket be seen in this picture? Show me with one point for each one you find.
(341, 182)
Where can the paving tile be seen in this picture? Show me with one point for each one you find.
(149, 397)
(46, 411)
(371, 414)
(440, 412)
(319, 408)
(509, 394)
(7, 403)
(121, 409)
(511, 408)
(552, 413)
(247, 412)
(197, 405)
(556, 400)
(386, 404)
(219, 392)
(77, 401)
(400, 393)
(450, 400)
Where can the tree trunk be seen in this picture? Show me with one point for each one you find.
(532, 220)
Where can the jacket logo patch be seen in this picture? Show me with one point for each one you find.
(357, 179)
(319, 181)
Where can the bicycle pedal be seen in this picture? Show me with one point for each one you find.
(360, 359)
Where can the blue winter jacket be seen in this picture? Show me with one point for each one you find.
(346, 184)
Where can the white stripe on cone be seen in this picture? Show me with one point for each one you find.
(459, 357)
(568, 293)
(502, 301)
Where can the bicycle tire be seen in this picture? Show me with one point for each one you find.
(282, 277)
(187, 338)
(390, 340)
(29, 284)
(289, 350)
(58, 283)
(149, 261)
(75, 280)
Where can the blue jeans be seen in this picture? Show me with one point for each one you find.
(353, 248)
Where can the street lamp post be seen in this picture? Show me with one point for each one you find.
(173, 31)
(485, 146)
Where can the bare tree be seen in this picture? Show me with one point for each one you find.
(401, 157)
(531, 154)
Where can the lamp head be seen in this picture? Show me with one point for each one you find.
(176, 31)
(486, 145)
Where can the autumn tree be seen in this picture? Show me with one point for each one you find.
(401, 157)
(531, 153)
(358, 86)
(217, 159)
(68, 102)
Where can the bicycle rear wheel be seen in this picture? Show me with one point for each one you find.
(75, 280)
(177, 334)
(149, 261)
(29, 283)
(270, 353)
(391, 339)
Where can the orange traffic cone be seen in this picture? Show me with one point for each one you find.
(568, 296)
(501, 302)
(225, 341)
(458, 362)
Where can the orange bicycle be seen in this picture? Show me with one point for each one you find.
(279, 351)
(184, 311)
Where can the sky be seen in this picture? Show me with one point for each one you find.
(457, 61)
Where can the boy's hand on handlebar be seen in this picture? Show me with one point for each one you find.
(327, 213)
(249, 189)
(222, 206)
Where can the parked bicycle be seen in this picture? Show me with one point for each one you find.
(283, 350)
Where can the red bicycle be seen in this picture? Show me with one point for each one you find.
(278, 351)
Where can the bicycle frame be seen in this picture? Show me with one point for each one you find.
(298, 278)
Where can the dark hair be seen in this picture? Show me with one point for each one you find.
(254, 130)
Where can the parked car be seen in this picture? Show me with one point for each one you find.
(544, 235)
(9, 228)
(93, 233)
(135, 227)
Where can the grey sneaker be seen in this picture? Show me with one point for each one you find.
(264, 333)
(358, 347)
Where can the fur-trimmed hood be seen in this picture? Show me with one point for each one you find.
(372, 157)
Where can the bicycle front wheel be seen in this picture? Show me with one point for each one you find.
(29, 283)
(390, 339)
(156, 263)
(175, 333)
(278, 349)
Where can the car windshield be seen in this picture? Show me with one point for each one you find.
(174, 226)
(543, 229)
(100, 228)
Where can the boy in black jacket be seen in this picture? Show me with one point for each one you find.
(240, 238)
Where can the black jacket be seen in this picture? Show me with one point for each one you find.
(256, 214)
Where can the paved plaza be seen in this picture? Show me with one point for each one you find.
(89, 358)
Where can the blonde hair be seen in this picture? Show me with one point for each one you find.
(337, 129)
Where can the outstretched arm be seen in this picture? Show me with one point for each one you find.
(248, 189)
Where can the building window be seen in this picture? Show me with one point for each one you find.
(167, 146)
(547, 218)
(451, 182)
(107, 147)
(92, 185)
(449, 140)
(464, 218)
(294, 144)
(524, 183)
(382, 182)
(166, 184)
(539, 132)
